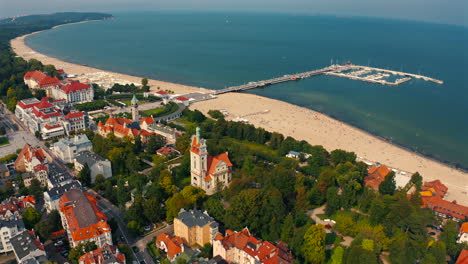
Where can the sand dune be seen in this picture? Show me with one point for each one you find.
(298, 122)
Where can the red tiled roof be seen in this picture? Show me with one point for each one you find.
(44, 103)
(29, 199)
(40, 167)
(182, 98)
(60, 71)
(463, 257)
(4, 208)
(48, 126)
(213, 161)
(147, 120)
(173, 244)
(265, 251)
(42, 79)
(464, 228)
(161, 92)
(442, 206)
(166, 151)
(28, 153)
(437, 186)
(74, 87)
(376, 175)
(74, 115)
(84, 219)
(36, 240)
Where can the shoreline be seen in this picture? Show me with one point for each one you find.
(292, 120)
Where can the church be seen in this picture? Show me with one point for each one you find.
(122, 127)
(210, 173)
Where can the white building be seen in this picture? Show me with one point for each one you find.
(210, 173)
(9, 228)
(39, 80)
(46, 117)
(463, 235)
(96, 163)
(73, 92)
(67, 148)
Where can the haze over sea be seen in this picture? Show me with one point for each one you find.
(215, 50)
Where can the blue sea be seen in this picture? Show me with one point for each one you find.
(215, 50)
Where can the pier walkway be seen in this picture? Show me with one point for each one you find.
(346, 70)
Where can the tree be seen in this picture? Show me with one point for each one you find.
(206, 251)
(39, 94)
(35, 189)
(358, 254)
(333, 201)
(152, 210)
(145, 87)
(449, 236)
(155, 142)
(30, 217)
(80, 250)
(287, 229)
(85, 175)
(215, 208)
(388, 186)
(100, 179)
(337, 257)
(216, 114)
(340, 156)
(314, 245)
(134, 227)
(417, 180)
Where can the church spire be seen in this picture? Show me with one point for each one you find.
(135, 114)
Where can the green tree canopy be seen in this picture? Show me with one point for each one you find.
(314, 245)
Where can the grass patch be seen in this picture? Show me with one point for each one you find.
(254, 146)
(4, 141)
(161, 111)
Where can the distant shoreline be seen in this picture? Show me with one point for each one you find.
(339, 134)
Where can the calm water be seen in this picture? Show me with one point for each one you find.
(215, 50)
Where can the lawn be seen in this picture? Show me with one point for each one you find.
(255, 146)
(4, 141)
(161, 111)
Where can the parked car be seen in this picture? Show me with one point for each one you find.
(147, 228)
(432, 233)
(58, 243)
(135, 249)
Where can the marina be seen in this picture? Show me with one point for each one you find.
(346, 70)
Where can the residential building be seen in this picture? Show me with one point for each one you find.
(107, 254)
(463, 257)
(39, 80)
(82, 219)
(9, 209)
(53, 195)
(46, 117)
(195, 227)
(210, 173)
(28, 249)
(376, 175)
(34, 160)
(123, 127)
(96, 163)
(9, 228)
(463, 234)
(168, 132)
(243, 248)
(73, 92)
(432, 195)
(67, 148)
(168, 151)
(172, 245)
(182, 100)
(58, 176)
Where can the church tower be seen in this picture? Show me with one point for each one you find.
(135, 114)
(198, 159)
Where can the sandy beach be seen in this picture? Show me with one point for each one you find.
(295, 121)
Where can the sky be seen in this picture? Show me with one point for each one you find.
(438, 11)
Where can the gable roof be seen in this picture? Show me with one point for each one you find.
(26, 242)
(464, 228)
(214, 161)
(42, 79)
(173, 244)
(376, 175)
(106, 254)
(463, 257)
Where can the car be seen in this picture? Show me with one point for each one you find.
(147, 228)
(135, 249)
(432, 233)
(58, 243)
(142, 262)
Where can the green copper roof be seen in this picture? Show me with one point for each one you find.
(134, 100)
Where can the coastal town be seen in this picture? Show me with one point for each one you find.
(98, 167)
